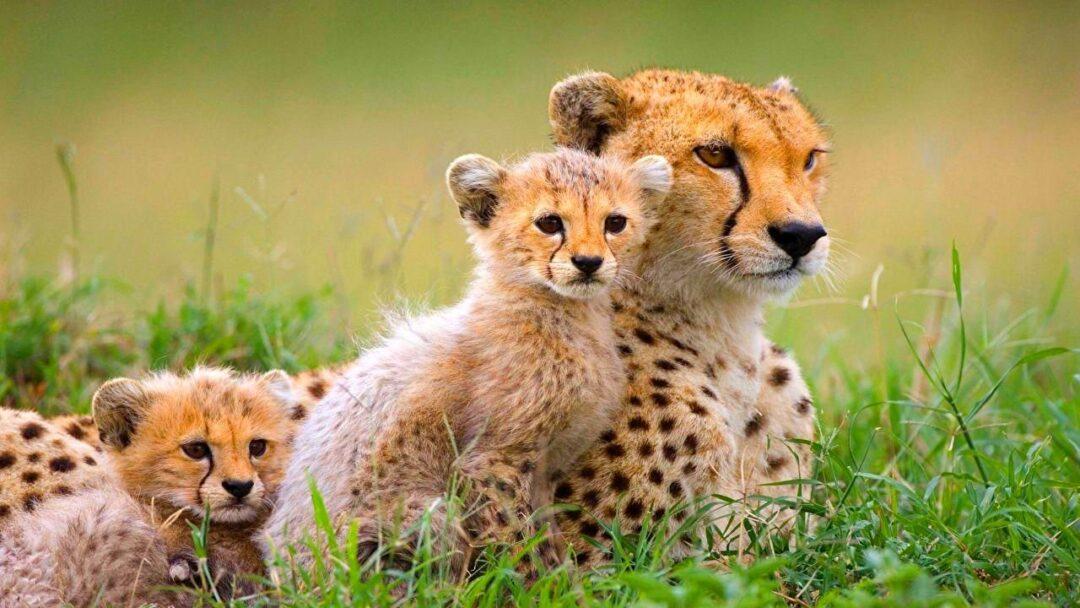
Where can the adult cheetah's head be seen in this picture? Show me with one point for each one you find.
(567, 220)
(211, 438)
(749, 169)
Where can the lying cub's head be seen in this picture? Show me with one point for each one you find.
(210, 438)
(567, 220)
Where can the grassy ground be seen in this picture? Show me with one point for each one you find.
(946, 474)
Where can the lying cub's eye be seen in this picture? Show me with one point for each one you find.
(257, 447)
(811, 161)
(717, 156)
(196, 450)
(550, 224)
(615, 223)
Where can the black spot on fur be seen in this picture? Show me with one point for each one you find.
(646, 449)
(689, 468)
(634, 400)
(31, 430)
(708, 392)
(655, 476)
(4, 511)
(65, 491)
(61, 464)
(670, 452)
(587, 472)
(582, 557)
(779, 376)
(563, 492)
(590, 528)
(696, 408)
(659, 514)
(527, 466)
(625, 350)
(614, 450)
(31, 476)
(634, 509)
(644, 336)
(76, 431)
(607, 436)
(317, 388)
(6, 460)
(775, 462)
(666, 424)
(34, 457)
(619, 482)
(89, 460)
(637, 423)
(803, 405)
(664, 364)
(659, 383)
(660, 399)
(675, 489)
(683, 362)
(754, 424)
(30, 501)
(691, 443)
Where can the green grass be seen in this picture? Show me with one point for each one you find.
(961, 487)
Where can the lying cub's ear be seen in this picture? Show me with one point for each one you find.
(655, 177)
(118, 408)
(280, 386)
(585, 108)
(783, 84)
(474, 183)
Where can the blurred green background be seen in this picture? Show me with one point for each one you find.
(328, 127)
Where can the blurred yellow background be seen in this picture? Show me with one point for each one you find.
(329, 126)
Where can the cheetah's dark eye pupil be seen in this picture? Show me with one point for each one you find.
(615, 224)
(257, 447)
(550, 224)
(196, 450)
(717, 156)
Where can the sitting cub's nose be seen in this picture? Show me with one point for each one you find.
(587, 264)
(796, 238)
(238, 489)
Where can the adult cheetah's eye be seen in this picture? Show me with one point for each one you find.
(717, 156)
(615, 223)
(196, 450)
(257, 447)
(550, 224)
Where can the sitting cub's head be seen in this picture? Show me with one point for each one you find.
(211, 438)
(567, 220)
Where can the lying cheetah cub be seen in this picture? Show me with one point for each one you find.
(173, 445)
(499, 391)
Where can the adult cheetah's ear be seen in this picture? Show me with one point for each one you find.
(783, 84)
(654, 175)
(585, 108)
(280, 387)
(474, 183)
(118, 407)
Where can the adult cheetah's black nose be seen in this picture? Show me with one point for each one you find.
(238, 489)
(796, 238)
(587, 264)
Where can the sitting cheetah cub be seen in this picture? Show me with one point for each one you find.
(173, 446)
(500, 391)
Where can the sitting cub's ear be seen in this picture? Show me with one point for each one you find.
(280, 386)
(585, 108)
(118, 408)
(474, 183)
(654, 175)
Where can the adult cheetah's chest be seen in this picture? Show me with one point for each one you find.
(689, 395)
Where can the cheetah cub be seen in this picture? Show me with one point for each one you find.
(173, 446)
(500, 391)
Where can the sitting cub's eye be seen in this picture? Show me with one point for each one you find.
(717, 156)
(615, 223)
(196, 450)
(550, 224)
(257, 447)
(811, 160)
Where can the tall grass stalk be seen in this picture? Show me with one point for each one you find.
(65, 155)
(210, 239)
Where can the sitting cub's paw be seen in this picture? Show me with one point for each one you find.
(184, 569)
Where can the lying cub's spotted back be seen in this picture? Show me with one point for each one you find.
(39, 460)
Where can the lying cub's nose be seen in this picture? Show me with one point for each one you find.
(587, 264)
(796, 238)
(238, 489)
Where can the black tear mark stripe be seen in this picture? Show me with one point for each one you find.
(562, 241)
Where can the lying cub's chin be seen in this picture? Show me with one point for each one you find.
(234, 514)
